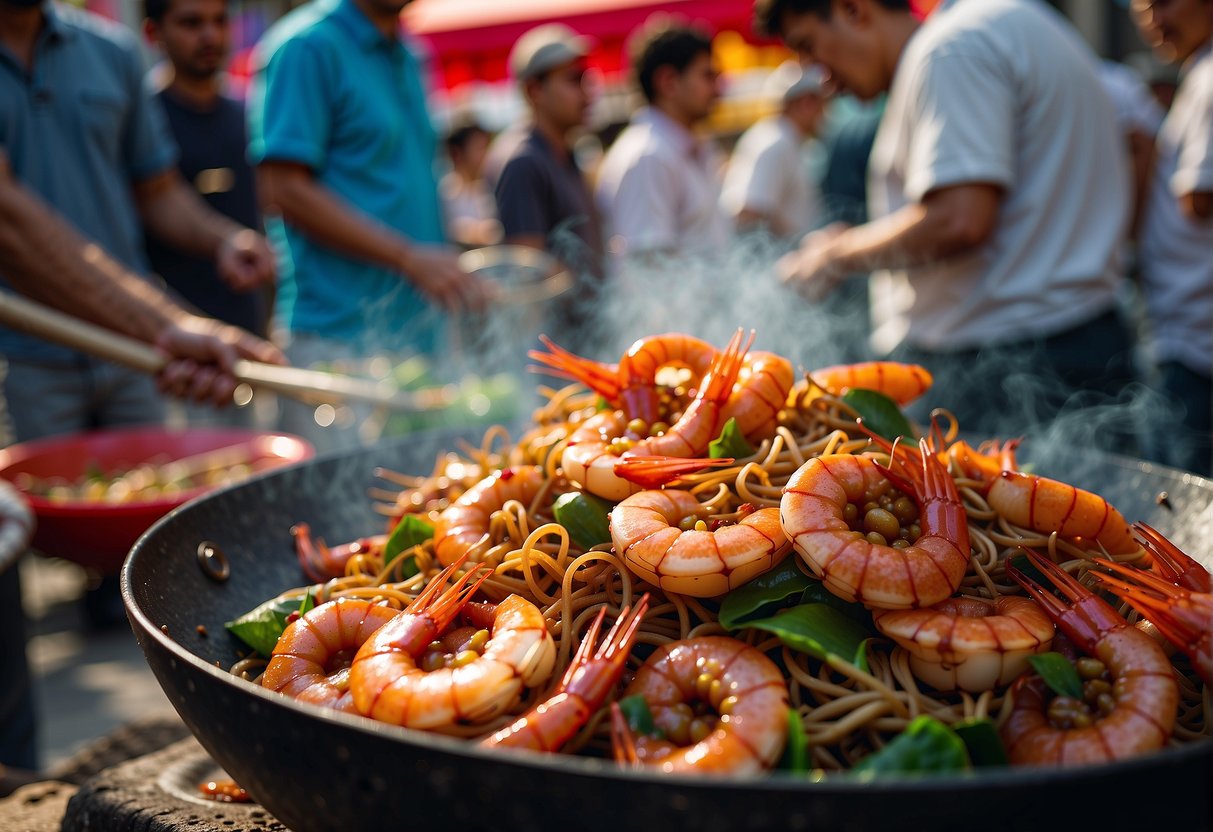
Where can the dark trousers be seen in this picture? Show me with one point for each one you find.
(1182, 437)
(18, 748)
(1074, 388)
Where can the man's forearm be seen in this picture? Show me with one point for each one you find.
(176, 216)
(43, 257)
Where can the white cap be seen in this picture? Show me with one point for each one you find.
(790, 80)
(544, 48)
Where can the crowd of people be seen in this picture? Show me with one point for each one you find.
(1000, 186)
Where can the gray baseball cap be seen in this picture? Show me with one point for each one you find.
(790, 80)
(544, 48)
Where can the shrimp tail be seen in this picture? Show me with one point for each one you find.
(442, 604)
(1170, 562)
(314, 556)
(1086, 619)
(603, 379)
(623, 741)
(592, 676)
(656, 471)
(1167, 606)
(720, 378)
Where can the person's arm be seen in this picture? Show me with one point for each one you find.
(173, 213)
(42, 256)
(291, 190)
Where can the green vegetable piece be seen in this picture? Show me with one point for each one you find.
(1058, 672)
(260, 628)
(781, 583)
(821, 631)
(982, 741)
(880, 414)
(730, 444)
(409, 532)
(816, 593)
(601, 404)
(640, 718)
(585, 516)
(927, 746)
(796, 752)
(308, 603)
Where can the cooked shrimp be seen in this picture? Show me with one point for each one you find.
(903, 383)
(648, 532)
(465, 522)
(867, 542)
(1171, 563)
(605, 461)
(984, 463)
(762, 391)
(1130, 696)
(602, 378)
(311, 660)
(969, 643)
(390, 686)
(321, 563)
(587, 682)
(721, 704)
(1047, 506)
(1184, 616)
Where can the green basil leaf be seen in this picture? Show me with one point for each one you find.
(640, 718)
(796, 751)
(260, 627)
(880, 413)
(308, 603)
(927, 746)
(1058, 672)
(409, 532)
(772, 587)
(585, 517)
(820, 631)
(982, 741)
(730, 444)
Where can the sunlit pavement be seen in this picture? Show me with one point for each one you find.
(88, 682)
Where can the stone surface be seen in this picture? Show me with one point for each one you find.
(159, 793)
(37, 807)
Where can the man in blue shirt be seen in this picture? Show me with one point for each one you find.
(345, 155)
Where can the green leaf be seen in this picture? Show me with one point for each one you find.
(1058, 672)
(772, 587)
(640, 718)
(260, 627)
(982, 741)
(880, 413)
(796, 751)
(601, 404)
(308, 603)
(585, 516)
(409, 532)
(821, 631)
(816, 593)
(927, 746)
(730, 444)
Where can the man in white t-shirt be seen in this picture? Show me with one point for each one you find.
(1176, 244)
(999, 195)
(658, 185)
(767, 183)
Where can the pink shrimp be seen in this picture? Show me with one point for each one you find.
(311, 660)
(845, 524)
(903, 383)
(1171, 563)
(586, 683)
(1130, 698)
(645, 529)
(984, 463)
(721, 704)
(388, 685)
(463, 524)
(762, 391)
(1045, 505)
(321, 563)
(969, 643)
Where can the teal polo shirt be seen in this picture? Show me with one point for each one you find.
(78, 130)
(332, 93)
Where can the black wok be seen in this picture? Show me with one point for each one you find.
(318, 770)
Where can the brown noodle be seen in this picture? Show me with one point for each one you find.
(846, 713)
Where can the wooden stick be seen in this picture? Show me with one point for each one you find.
(307, 385)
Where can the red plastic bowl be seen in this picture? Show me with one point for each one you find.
(97, 534)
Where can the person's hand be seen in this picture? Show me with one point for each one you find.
(812, 269)
(244, 260)
(436, 272)
(202, 353)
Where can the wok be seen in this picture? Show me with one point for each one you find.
(319, 770)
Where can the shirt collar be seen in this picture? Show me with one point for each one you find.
(365, 33)
(56, 28)
(683, 139)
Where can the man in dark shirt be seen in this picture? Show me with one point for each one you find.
(542, 197)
